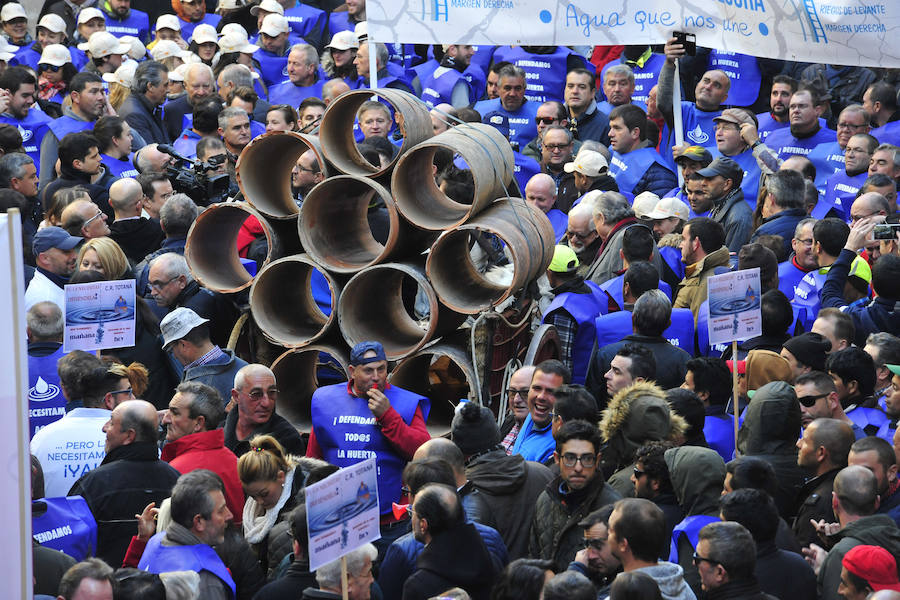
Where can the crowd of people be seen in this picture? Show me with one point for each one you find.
(163, 469)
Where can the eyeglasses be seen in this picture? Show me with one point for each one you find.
(638, 473)
(556, 147)
(545, 120)
(158, 285)
(850, 126)
(580, 236)
(51, 68)
(257, 395)
(699, 559)
(587, 460)
(97, 216)
(855, 218)
(595, 543)
(127, 391)
(307, 170)
(405, 491)
(808, 242)
(521, 392)
(808, 401)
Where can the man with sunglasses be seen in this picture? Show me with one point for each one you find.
(726, 559)
(556, 531)
(596, 561)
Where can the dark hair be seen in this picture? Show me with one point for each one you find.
(810, 88)
(711, 376)
(439, 504)
(634, 585)
(299, 529)
(10, 139)
(641, 276)
(876, 180)
(570, 585)
(556, 368)
(190, 496)
(689, 405)
(787, 188)
(601, 516)
(853, 364)
(886, 277)
(787, 80)
(652, 457)
(808, 171)
(499, 66)
(206, 115)
(561, 112)
(643, 364)
(89, 568)
(76, 146)
(710, 233)
(886, 456)
(207, 145)
(638, 243)
(732, 546)
(822, 382)
(754, 509)
(836, 437)
(244, 93)
(311, 101)
(82, 79)
(831, 234)
(573, 402)
(135, 584)
(12, 78)
(582, 71)
(579, 430)
(287, 111)
(777, 314)
(632, 116)
(522, 579)
(881, 91)
(643, 524)
(842, 322)
(419, 473)
(752, 472)
(105, 129)
(147, 179)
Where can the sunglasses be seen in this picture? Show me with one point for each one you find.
(808, 401)
(545, 120)
(51, 68)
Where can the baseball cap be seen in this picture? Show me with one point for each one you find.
(103, 43)
(11, 11)
(669, 207)
(356, 354)
(725, 167)
(564, 260)
(741, 365)
(860, 268)
(498, 121)
(695, 153)
(166, 48)
(233, 29)
(56, 55)
(875, 565)
(361, 31)
(53, 237)
(204, 33)
(52, 22)
(269, 6)
(179, 73)
(643, 204)
(178, 324)
(588, 163)
(343, 40)
(89, 13)
(168, 22)
(138, 50)
(124, 75)
(737, 116)
(274, 24)
(230, 5)
(234, 42)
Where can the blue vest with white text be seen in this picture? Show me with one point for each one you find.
(545, 74)
(840, 191)
(789, 277)
(347, 433)
(645, 77)
(32, 128)
(438, 88)
(66, 524)
(828, 159)
(584, 308)
(522, 127)
(743, 71)
(304, 19)
(272, 68)
(158, 558)
(46, 402)
(293, 95)
(767, 125)
(629, 168)
(690, 528)
(119, 167)
(783, 142)
(136, 24)
(699, 127)
(806, 298)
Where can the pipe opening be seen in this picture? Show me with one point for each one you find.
(454, 274)
(299, 372)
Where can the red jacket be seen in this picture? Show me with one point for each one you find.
(206, 450)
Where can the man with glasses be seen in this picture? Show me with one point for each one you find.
(582, 236)
(517, 404)
(828, 158)
(84, 219)
(842, 187)
(549, 113)
(186, 336)
(556, 531)
(726, 559)
(555, 146)
(595, 561)
(803, 260)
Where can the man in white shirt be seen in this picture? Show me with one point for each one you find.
(54, 255)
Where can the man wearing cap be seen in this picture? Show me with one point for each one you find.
(186, 336)
(368, 417)
(867, 570)
(105, 51)
(573, 309)
(121, 20)
(806, 353)
(842, 187)
(783, 208)
(274, 47)
(142, 109)
(721, 184)
(447, 84)
(730, 143)
(15, 24)
(303, 77)
(710, 93)
(385, 78)
(32, 124)
(90, 21)
(341, 51)
(193, 13)
(587, 172)
(636, 165)
(689, 160)
(540, 192)
(54, 255)
(51, 29)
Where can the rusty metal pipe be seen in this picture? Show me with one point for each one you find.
(529, 240)
(336, 131)
(211, 247)
(264, 171)
(296, 372)
(334, 226)
(283, 306)
(487, 154)
(372, 308)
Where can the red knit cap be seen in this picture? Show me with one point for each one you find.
(875, 565)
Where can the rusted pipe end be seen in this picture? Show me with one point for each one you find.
(283, 306)
(297, 373)
(264, 171)
(377, 304)
(336, 130)
(211, 247)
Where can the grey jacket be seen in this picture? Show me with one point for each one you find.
(736, 217)
(211, 587)
(219, 376)
(669, 577)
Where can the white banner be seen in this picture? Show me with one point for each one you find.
(844, 32)
(99, 315)
(735, 301)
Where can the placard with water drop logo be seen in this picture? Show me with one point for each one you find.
(734, 306)
(99, 315)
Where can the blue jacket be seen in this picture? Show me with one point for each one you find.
(783, 224)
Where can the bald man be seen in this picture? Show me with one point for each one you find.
(130, 478)
(83, 218)
(540, 192)
(136, 235)
(517, 404)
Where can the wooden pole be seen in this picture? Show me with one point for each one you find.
(344, 585)
(736, 391)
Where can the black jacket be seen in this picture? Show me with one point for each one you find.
(278, 427)
(738, 590)
(173, 113)
(128, 479)
(814, 503)
(297, 578)
(49, 567)
(69, 177)
(137, 237)
(145, 119)
(785, 575)
(454, 558)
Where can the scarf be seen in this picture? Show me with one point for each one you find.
(48, 89)
(256, 527)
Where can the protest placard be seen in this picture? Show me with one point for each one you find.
(734, 306)
(99, 315)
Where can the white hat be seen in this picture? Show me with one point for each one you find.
(124, 75)
(269, 6)
(179, 73)
(166, 48)
(588, 163)
(274, 25)
(86, 14)
(103, 43)
(56, 55)
(234, 29)
(236, 43)
(178, 324)
(643, 204)
(168, 22)
(343, 40)
(670, 207)
(204, 33)
(11, 11)
(230, 5)
(138, 50)
(52, 22)
(361, 31)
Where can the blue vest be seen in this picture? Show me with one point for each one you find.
(699, 127)
(186, 143)
(616, 326)
(272, 68)
(789, 277)
(339, 21)
(785, 144)
(864, 417)
(65, 125)
(32, 128)
(744, 73)
(187, 28)
(293, 95)
(66, 525)
(424, 70)
(158, 558)
(522, 128)
(806, 296)
(887, 431)
(750, 182)
(559, 220)
(46, 402)
(605, 106)
(79, 58)
(545, 74)
(628, 169)
(840, 191)
(524, 168)
(889, 133)
(347, 433)
(119, 167)
(483, 57)
(136, 24)
(304, 19)
(719, 433)
(404, 55)
(438, 88)
(615, 289)
(689, 527)
(477, 79)
(672, 256)
(644, 77)
(26, 56)
(584, 309)
(767, 125)
(828, 159)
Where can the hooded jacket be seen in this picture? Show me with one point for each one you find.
(874, 530)
(770, 431)
(692, 292)
(670, 579)
(635, 415)
(454, 558)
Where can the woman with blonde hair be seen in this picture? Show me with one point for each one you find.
(135, 374)
(104, 256)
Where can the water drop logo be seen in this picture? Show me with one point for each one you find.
(25, 133)
(697, 135)
(42, 391)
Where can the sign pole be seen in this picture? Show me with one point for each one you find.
(676, 117)
(736, 391)
(344, 590)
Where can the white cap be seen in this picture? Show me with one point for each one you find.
(124, 75)
(343, 40)
(178, 324)
(168, 22)
(236, 43)
(138, 50)
(11, 11)
(179, 73)
(230, 5)
(103, 43)
(274, 25)
(669, 207)
(361, 31)
(588, 163)
(166, 48)
(204, 33)
(52, 22)
(56, 55)
(86, 14)
(234, 29)
(643, 204)
(269, 6)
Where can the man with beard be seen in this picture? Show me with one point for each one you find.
(54, 255)
(805, 132)
(32, 124)
(842, 187)
(121, 20)
(877, 455)
(700, 202)
(582, 237)
(721, 184)
(783, 87)
(447, 84)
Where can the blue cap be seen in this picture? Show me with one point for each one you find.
(356, 355)
(53, 237)
(497, 120)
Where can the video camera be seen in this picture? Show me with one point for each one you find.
(190, 176)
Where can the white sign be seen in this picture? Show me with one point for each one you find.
(843, 32)
(342, 513)
(99, 315)
(734, 306)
